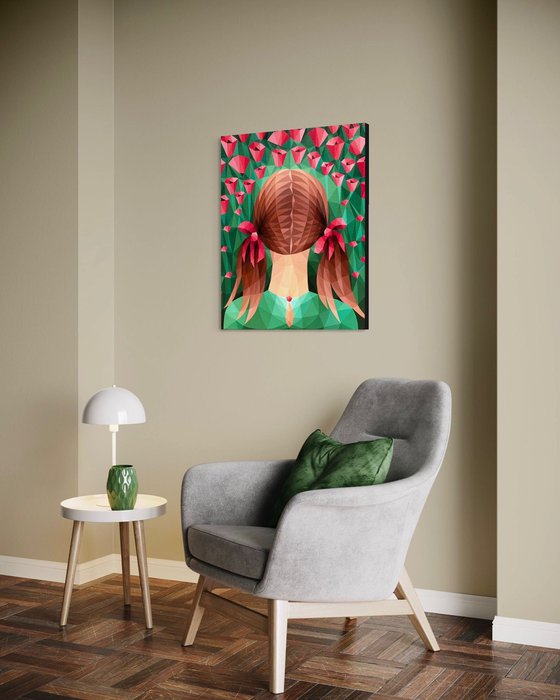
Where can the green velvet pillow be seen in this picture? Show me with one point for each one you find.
(324, 463)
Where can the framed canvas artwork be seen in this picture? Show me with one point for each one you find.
(294, 229)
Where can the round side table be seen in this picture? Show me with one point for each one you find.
(96, 509)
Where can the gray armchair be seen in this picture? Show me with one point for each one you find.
(335, 552)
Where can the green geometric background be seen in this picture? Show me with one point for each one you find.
(355, 233)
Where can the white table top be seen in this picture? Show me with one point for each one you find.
(96, 509)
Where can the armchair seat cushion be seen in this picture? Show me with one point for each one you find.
(241, 549)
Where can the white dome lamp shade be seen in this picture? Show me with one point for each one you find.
(114, 406)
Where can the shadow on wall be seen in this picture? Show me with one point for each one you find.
(477, 315)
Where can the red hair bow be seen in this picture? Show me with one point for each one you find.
(331, 236)
(253, 244)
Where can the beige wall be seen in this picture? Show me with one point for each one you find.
(529, 309)
(423, 75)
(38, 274)
(96, 229)
(56, 267)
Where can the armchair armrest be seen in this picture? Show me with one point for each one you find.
(345, 544)
(230, 493)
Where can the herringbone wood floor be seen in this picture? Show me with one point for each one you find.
(106, 653)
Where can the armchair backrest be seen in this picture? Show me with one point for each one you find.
(417, 414)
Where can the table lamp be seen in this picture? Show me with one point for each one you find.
(116, 406)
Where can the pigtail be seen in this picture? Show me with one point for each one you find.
(250, 271)
(333, 273)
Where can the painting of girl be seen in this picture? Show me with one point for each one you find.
(294, 229)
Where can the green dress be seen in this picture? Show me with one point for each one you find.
(309, 313)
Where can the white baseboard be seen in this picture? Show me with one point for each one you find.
(504, 629)
(33, 568)
(92, 570)
(461, 604)
(531, 632)
(433, 601)
(169, 569)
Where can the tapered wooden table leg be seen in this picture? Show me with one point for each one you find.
(125, 560)
(139, 538)
(71, 570)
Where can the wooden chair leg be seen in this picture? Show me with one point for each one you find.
(277, 635)
(195, 614)
(405, 591)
